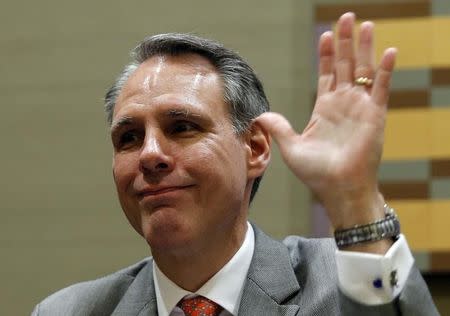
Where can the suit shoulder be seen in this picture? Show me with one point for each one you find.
(316, 247)
(83, 297)
(313, 253)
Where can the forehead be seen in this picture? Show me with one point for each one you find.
(190, 78)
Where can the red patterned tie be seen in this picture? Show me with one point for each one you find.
(199, 306)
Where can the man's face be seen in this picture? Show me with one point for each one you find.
(179, 168)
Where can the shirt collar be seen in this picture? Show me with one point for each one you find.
(225, 287)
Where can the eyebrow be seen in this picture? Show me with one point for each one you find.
(123, 121)
(171, 113)
(185, 113)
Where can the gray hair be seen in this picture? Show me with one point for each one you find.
(243, 91)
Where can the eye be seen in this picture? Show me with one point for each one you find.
(181, 127)
(127, 139)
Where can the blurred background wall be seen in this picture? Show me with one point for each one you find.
(61, 222)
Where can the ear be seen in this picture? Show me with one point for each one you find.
(258, 142)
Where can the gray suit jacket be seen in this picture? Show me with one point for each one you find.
(296, 277)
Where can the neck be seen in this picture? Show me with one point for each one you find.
(191, 269)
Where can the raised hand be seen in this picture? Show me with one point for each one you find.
(338, 154)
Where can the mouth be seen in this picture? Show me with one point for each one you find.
(161, 191)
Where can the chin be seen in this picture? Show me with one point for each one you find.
(164, 231)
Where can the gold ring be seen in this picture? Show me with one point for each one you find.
(363, 81)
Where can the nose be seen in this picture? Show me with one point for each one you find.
(154, 158)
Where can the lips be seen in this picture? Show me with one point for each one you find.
(160, 190)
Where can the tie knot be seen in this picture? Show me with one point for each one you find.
(199, 306)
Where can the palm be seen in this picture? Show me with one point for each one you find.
(338, 153)
(342, 143)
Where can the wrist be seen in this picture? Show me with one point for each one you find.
(350, 211)
(375, 237)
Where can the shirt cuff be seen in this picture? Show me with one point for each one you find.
(372, 279)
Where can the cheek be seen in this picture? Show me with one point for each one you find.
(124, 169)
(123, 174)
(219, 164)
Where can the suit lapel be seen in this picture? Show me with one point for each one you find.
(140, 298)
(271, 281)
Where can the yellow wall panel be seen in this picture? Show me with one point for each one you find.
(422, 42)
(440, 219)
(412, 37)
(440, 135)
(417, 134)
(412, 212)
(407, 135)
(440, 51)
(425, 223)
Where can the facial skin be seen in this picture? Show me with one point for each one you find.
(183, 176)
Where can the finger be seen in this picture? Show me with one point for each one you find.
(326, 63)
(279, 127)
(345, 55)
(365, 54)
(380, 90)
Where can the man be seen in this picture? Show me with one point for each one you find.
(191, 144)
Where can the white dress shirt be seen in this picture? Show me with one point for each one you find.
(372, 279)
(224, 288)
(366, 278)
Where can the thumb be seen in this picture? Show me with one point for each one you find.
(279, 127)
